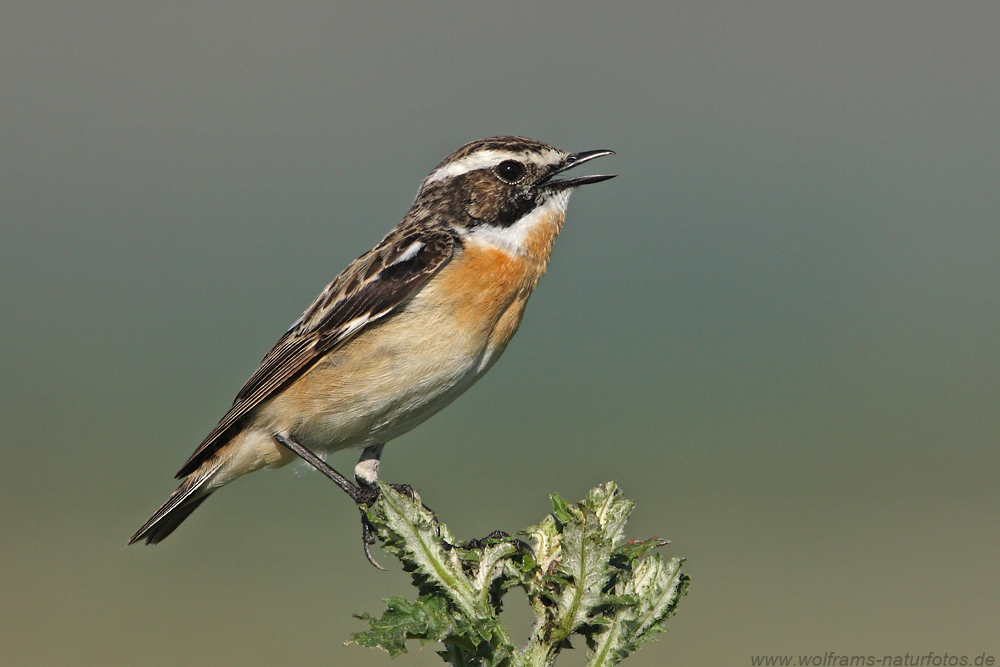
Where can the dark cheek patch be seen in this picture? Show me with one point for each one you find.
(483, 197)
(513, 209)
(491, 202)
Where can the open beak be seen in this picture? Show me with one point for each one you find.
(575, 160)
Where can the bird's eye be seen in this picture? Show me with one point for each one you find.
(510, 171)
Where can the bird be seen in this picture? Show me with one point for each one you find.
(399, 334)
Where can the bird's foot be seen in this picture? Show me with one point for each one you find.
(366, 495)
(495, 536)
(368, 537)
(407, 491)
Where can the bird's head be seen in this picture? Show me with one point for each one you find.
(498, 187)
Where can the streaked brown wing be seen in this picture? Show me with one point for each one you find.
(367, 290)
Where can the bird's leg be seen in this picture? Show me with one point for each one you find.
(307, 455)
(366, 474)
(362, 494)
(367, 492)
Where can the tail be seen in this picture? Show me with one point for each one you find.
(186, 499)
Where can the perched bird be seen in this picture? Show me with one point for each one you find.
(402, 331)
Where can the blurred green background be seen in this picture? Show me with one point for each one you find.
(777, 330)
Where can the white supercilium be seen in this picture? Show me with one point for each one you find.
(487, 159)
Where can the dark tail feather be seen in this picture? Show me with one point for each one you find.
(178, 507)
(158, 527)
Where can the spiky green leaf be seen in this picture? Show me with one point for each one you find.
(582, 577)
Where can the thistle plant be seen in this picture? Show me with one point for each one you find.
(580, 575)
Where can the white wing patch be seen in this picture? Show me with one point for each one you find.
(407, 254)
(350, 327)
(487, 159)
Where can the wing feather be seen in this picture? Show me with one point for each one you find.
(370, 288)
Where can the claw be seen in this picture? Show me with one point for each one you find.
(521, 545)
(368, 538)
(406, 490)
(366, 497)
(481, 544)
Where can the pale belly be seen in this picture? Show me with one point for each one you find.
(396, 375)
(391, 392)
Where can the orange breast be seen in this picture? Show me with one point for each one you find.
(481, 284)
(488, 286)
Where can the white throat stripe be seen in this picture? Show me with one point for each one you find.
(514, 238)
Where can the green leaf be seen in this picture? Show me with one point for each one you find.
(560, 508)
(426, 619)
(581, 578)
(656, 589)
(589, 540)
(634, 549)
